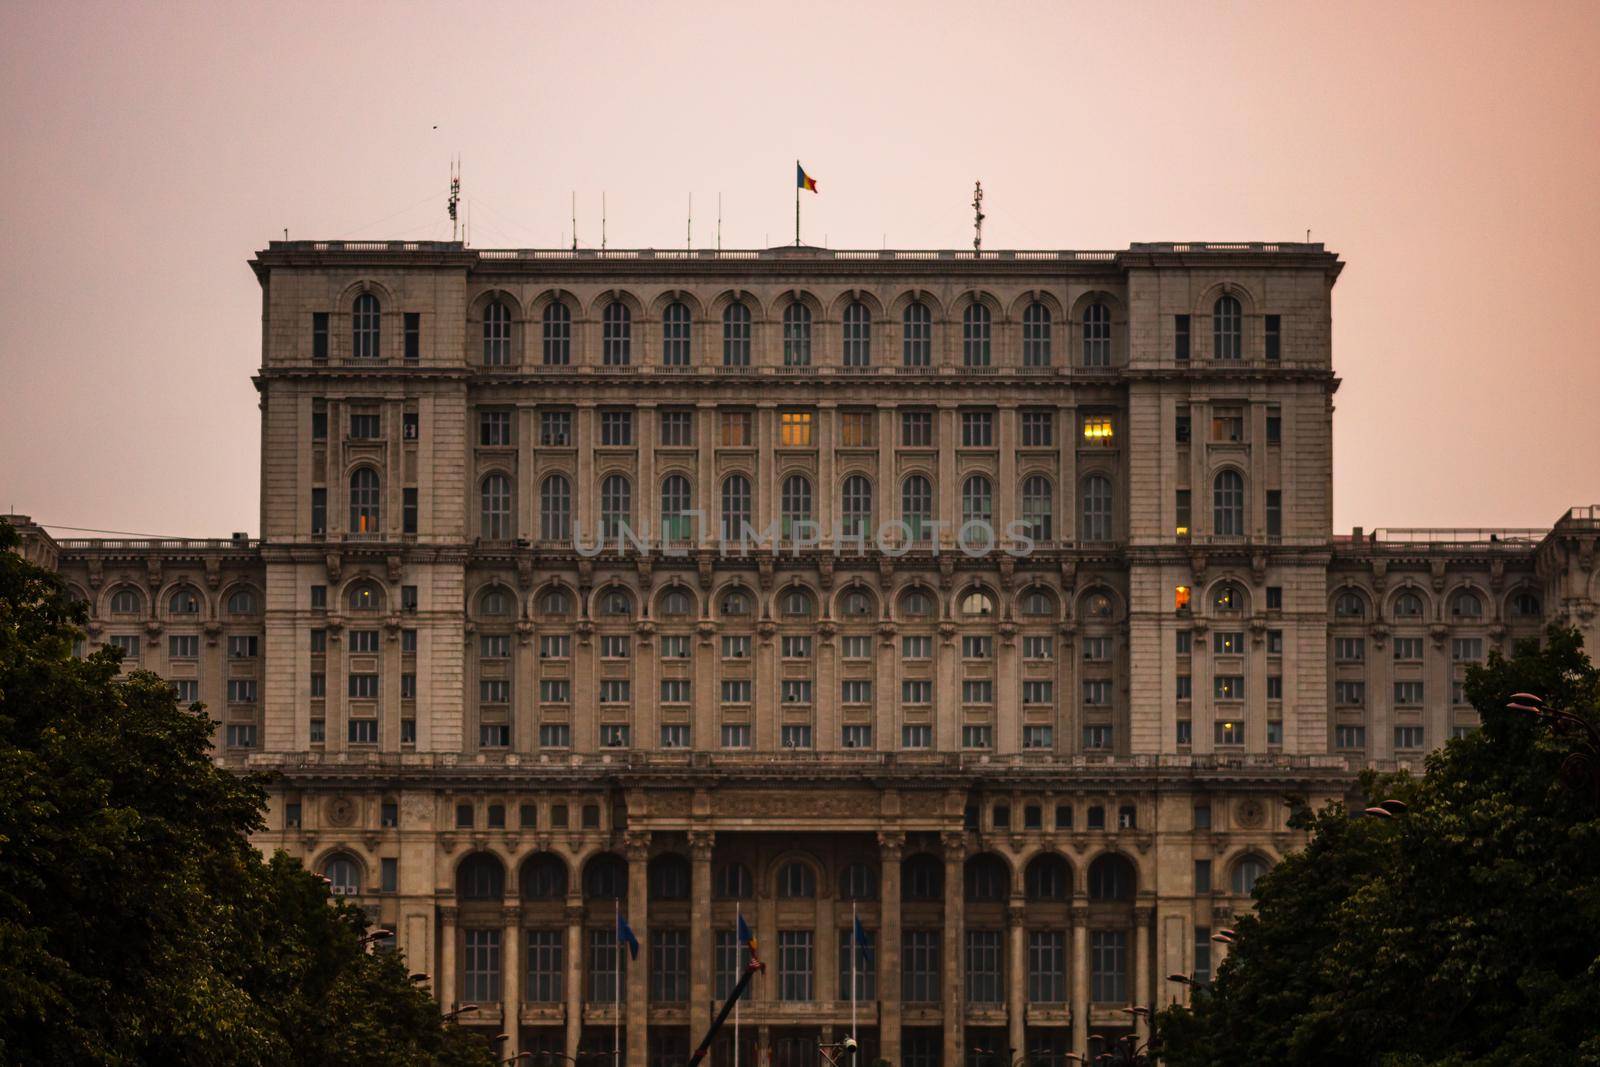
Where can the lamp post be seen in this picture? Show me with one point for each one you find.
(1580, 770)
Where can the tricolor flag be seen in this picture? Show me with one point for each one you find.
(862, 943)
(804, 180)
(625, 936)
(746, 938)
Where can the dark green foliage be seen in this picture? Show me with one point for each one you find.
(137, 923)
(1465, 931)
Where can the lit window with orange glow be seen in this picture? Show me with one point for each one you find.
(1097, 430)
(1180, 598)
(794, 429)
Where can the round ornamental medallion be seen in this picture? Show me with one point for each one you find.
(341, 811)
(1250, 813)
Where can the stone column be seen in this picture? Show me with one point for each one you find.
(1017, 979)
(955, 855)
(574, 974)
(444, 983)
(636, 1021)
(891, 846)
(701, 843)
(1080, 979)
(511, 981)
(1142, 918)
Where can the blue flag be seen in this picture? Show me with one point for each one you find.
(745, 936)
(625, 935)
(863, 945)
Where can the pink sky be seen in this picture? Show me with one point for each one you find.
(1447, 152)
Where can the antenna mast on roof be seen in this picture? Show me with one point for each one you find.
(574, 220)
(719, 223)
(688, 227)
(977, 217)
(602, 221)
(455, 194)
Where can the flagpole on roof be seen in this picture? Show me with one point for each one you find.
(797, 206)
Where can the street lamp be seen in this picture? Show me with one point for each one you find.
(1580, 770)
(457, 1012)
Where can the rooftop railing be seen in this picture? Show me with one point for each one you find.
(798, 251)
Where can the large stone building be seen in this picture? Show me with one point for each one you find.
(1041, 771)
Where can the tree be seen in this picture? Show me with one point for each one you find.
(137, 922)
(1465, 930)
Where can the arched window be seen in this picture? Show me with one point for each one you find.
(735, 506)
(857, 604)
(669, 878)
(857, 335)
(1097, 335)
(916, 506)
(555, 602)
(675, 335)
(1037, 510)
(555, 508)
(605, 878)
(1408, 605)
(1111, 877)
(916, 604)
(975, 336)
(916, 332)
(1227, 328)
(126, 602)
(977, 501)
(1526, 605)
(676, 508)
(1227, 504)
(1098, 605)
(736, 335)
(733, 882)
(735, 602)
(1096, 524)
(1349, 605)
(857, 883)
(796, 881)
(1048, 878)
(616, 603)
(616, 335)
(1036, 335)
(1038, 602)
(364, 596)
(242, 602)
(495, 602)
(364, 500)
(496, 334)
(544, 877)
(987, 879)
(184, 602)
(1228, 598)
(480, 877)
(922, 879)
(795, 504)
(495, 521)
(557, 322)
(977, 605)
(343, 874)
(616, 505)
(797, 604)
(856, 500)
(676, 603)
(364, 319)
(1467, 605)
(1246, 873)
(797, 335)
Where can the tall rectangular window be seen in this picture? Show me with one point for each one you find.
(616, 428)
(984, 967)
(319, 511)
(858, 965)
(677, 429)
(555, 428)
(794, 429)
(725, 966)
(858, 429)
(481, 968)
(919, 962)
(1274, 337)
(916, 429)
(1047, 967)
(1274, 512)
(547, 959)
(494, 428)
(1180, 337)
(669, 966)
(977, 429)
(794, 965)
(408, 510)
(319, 335)
(319, 420)
(607, 966)
(1202, 876)
(1038, 428)
(1108, 966)
(1182, 507)
(413, 335)
(1202, 954)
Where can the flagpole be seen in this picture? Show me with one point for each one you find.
(797, 204)
(738, 913)
(855, 962)
(616, 984)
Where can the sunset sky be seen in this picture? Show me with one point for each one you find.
(1448, 153)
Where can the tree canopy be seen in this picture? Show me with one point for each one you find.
(1464, 930)
(137, 922)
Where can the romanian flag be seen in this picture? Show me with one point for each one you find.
(802, 179)
(745, 936)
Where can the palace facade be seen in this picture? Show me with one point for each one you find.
(993, 599)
